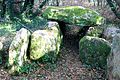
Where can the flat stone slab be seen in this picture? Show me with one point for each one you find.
(76, 15)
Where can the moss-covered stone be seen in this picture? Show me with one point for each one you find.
(73, 15)
(94, 51)
(45, 42)
(18, 50)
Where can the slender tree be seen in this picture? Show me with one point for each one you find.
(38, 11)
(3, 8)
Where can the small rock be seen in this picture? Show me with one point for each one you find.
(94, 31)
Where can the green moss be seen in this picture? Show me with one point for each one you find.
(7, 28)
(94, 51)
(49, 57)
(27, 67)
(74, 15)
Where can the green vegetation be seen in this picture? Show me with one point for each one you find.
(7, 28)
(28, 67)
(50, 57)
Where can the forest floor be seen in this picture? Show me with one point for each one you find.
(68, 67)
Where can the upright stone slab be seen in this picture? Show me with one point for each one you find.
(76, 15)
(94, 51)
(18, 49)
(46, 43)
(114, 59)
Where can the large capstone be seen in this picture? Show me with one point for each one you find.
(18, 50)
(76, 15)
(93, 51)
(45, 44)
(114, 59)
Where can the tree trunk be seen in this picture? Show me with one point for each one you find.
(40, 7)
(114, 8)
(3, 8)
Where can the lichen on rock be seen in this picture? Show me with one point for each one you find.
(45, 42)
(18, 50)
